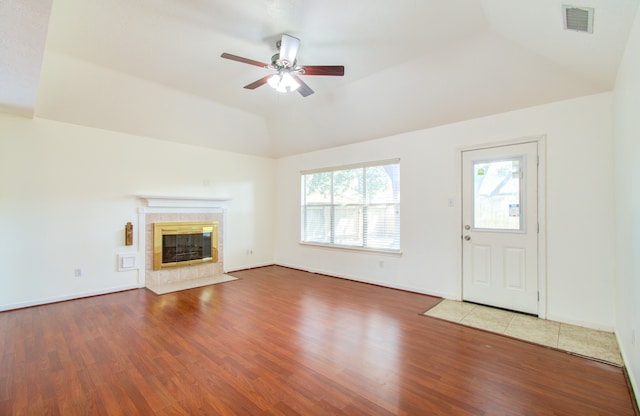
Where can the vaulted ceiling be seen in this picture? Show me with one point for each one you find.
(153, 67)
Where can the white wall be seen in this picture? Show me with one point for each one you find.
(627, 170)
(579, 206)
(66, 193)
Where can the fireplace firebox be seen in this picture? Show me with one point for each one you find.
(177, 244)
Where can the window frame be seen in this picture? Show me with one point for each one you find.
(332, 205)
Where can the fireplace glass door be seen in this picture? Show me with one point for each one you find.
(184, 244)
(186, 247)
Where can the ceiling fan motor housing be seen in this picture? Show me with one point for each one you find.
(278, 63)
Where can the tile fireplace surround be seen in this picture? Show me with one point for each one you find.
(165, 209)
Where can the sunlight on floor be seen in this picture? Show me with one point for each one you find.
(591, 343)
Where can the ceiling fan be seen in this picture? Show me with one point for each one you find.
(287, 72)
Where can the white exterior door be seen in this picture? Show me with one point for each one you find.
(500, 227)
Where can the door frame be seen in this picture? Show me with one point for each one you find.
(542, 214)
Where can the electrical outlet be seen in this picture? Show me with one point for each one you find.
(77, 272)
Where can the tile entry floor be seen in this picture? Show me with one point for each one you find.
(591, 343)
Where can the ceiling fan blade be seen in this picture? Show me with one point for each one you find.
(288, 50)
(258, 83)
(327, 70)
(243, 60)
(303, 89)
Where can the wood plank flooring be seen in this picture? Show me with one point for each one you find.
(283, 342)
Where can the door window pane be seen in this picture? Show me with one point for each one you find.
(496, 199)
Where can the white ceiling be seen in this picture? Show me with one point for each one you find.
(153, 67)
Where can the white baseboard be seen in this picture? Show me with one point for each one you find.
(247, 267)
(584, 324)
(54, 299)
(364, 280)
(634, 383)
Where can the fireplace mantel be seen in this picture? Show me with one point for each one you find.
(160, 201)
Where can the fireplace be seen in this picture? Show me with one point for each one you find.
(178, 244)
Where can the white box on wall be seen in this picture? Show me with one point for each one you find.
(127, 261)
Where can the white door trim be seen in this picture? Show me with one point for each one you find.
(542, 214)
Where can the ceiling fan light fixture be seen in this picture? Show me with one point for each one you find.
(283, 82)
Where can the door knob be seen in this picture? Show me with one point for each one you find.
(467, 227)
(467, 237)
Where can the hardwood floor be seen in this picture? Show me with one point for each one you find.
(283, 342)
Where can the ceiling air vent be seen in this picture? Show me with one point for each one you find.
(578, 18)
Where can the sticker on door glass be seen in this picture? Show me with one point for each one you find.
(480, 172)
(514, 210)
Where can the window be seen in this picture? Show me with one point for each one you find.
(496, 186)
(353, 206)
